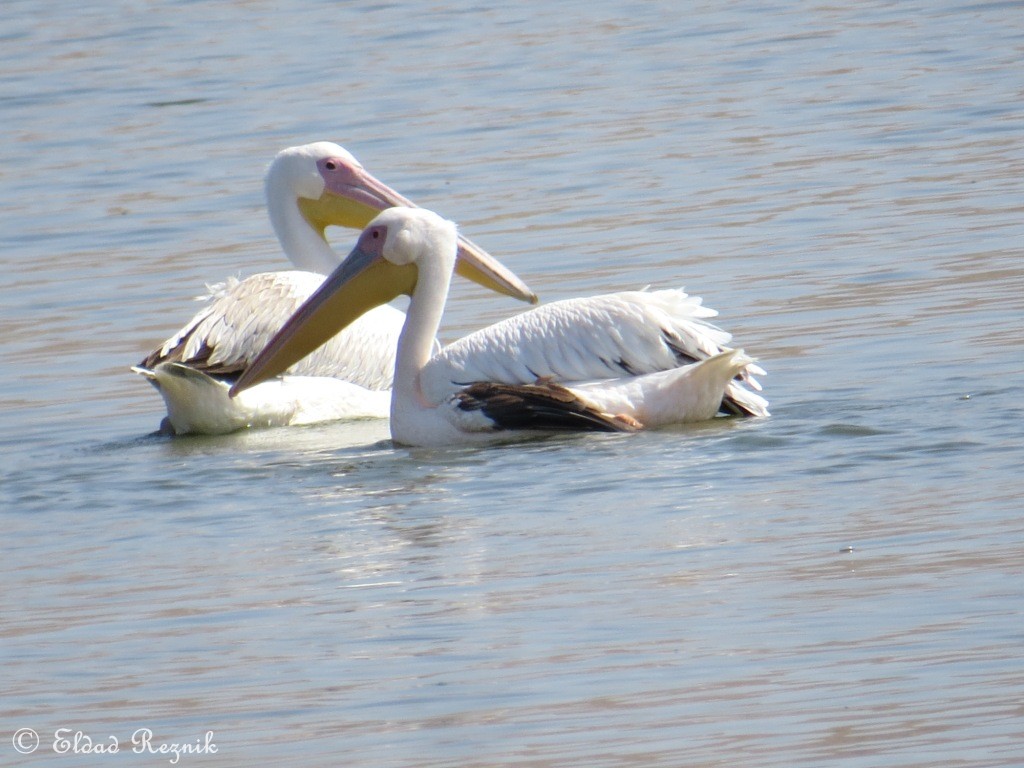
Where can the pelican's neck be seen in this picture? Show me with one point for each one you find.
(422, 319)
(304, 245)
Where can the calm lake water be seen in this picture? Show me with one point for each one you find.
(841, 584)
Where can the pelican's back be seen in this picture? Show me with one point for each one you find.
(610, 336)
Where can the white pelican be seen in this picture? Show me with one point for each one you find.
(617, 362)
(307, 188)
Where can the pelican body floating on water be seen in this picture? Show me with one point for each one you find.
(308, 188)
(618, 362)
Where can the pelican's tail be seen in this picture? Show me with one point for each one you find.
(196, 402)
(694, 392)
(738, 399)
(698, 391)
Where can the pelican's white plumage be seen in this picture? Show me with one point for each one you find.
(348, 378)
(308, 188)
(620, 335)
(616, 362)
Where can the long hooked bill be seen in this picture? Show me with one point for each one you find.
(352, 197)
(364, 280)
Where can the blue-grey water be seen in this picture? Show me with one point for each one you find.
(841, 584)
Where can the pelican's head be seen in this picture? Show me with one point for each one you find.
(408, 236)
(385, 263)
(331, 187)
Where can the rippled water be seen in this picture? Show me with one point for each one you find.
(838, 585)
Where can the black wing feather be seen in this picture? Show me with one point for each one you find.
(543, 405)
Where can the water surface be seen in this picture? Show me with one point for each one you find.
(837, 585)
